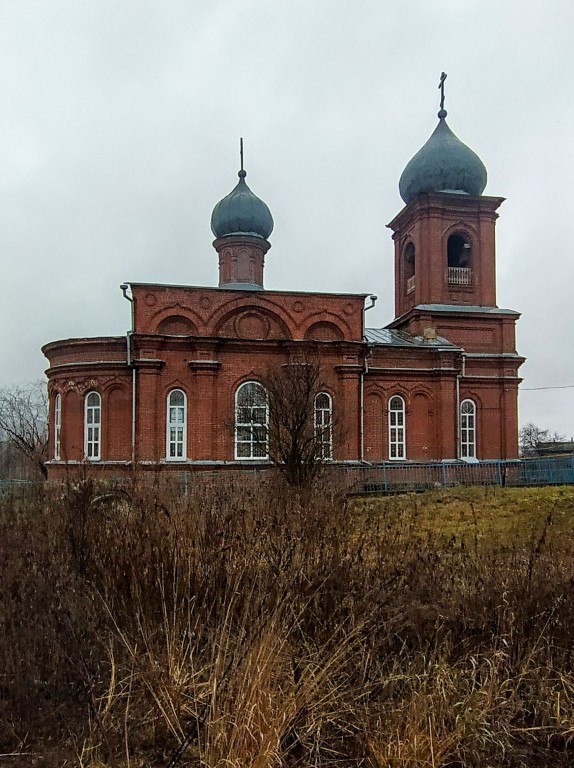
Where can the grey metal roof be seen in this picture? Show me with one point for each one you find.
(465, 308)
(389, 337)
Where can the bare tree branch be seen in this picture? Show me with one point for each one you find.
(24, 421)
(297, 444)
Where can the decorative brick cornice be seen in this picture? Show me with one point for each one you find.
(148, 363)
(204, 366)
(441, 203)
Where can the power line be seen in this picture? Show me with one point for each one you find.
(531, 389)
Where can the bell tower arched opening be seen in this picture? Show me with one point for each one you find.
(459, 259)
(409, 267)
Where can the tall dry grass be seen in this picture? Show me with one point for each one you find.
(251, 625)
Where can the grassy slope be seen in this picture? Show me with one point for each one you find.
(497, 516)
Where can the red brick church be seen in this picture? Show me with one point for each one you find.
(184, 388)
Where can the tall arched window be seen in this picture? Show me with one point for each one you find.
(57, 426)
(251, 421)
(93, 427)
(324, 426)
(459, 255)
(176, 426)
(397, 434)
(467, 430)
(410, 267)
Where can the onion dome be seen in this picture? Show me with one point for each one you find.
(443, 164)
(241, 213)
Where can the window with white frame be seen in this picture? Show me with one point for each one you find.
(57, 426)
(397, 435)
(251, 421)
(468, 429)
(93, 427)
(176, 436)
(324, 426)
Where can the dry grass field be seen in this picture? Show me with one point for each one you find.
(255, 626)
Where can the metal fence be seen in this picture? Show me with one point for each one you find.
(20, 489)
(392, 477)
(381, 478)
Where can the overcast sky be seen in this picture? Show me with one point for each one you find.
(119, 129)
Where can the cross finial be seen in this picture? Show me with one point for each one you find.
(442, 112)
(241, 152)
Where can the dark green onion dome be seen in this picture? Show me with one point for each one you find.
(444, 164)
(241, 213)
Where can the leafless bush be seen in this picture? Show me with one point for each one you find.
(298, 444)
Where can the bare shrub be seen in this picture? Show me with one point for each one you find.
(298, 445)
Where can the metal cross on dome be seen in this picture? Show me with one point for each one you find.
(441, 89)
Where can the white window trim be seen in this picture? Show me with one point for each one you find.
(169, 424)
(400, 443)
(467, 447)
(57, 426)
(249, 425)
(97, 450)
(324, 431)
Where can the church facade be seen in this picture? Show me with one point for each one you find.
(185, 387)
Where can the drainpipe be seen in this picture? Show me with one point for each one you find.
(459, 376)
(124, 287)
(364, 371)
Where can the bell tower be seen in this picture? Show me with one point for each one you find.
(445, 253)
(445, 288)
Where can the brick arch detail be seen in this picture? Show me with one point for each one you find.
(460, 226)
(375, 389)
(175, 384)
(245, 377)
(324, 330)
(254, 302)
(400, 392)
(114, 386)
(243, 309)
(174, 310)
(471, 396)
(180, 326)
(326, 317)
(421, 390)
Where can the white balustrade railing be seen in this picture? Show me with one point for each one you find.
(459, 275)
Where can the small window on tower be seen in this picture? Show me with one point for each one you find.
(410, 267)
(459, 253)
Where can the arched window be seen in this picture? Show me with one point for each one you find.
(467, 430)
(410, 267)
(57, 426)
(93, 427)
(459, 254)
(176, 426)
(251, 421)
(324, 426)
(397, 434)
